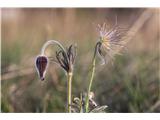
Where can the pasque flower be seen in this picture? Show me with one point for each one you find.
(41, 66)
(110, 42)
(65, 58)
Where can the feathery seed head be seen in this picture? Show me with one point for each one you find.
(110, 42)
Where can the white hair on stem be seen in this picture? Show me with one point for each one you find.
(53, 42)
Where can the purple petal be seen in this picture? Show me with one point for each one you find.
(41, 65)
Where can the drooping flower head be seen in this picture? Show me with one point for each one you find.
(41, 66)
(64, 58)
(110, 42)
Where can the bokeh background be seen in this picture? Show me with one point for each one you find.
(131, 84)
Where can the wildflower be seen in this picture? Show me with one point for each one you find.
(110, 42)
(41, 65)
(64, 57)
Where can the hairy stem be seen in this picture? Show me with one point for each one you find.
(69, 91)
(53, 42)
(90, 83)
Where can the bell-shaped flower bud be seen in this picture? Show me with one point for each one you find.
(41, 66)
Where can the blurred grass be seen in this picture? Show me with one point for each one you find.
(131, 84)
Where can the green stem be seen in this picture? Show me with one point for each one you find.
(81, 103)
(69, 91)
(90, 83)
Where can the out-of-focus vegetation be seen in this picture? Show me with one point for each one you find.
(131, 84)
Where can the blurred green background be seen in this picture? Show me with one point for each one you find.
(131, 84)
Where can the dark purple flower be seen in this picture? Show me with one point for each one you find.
(41, 66)
(64, 57)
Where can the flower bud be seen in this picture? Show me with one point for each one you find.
(41, 66)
